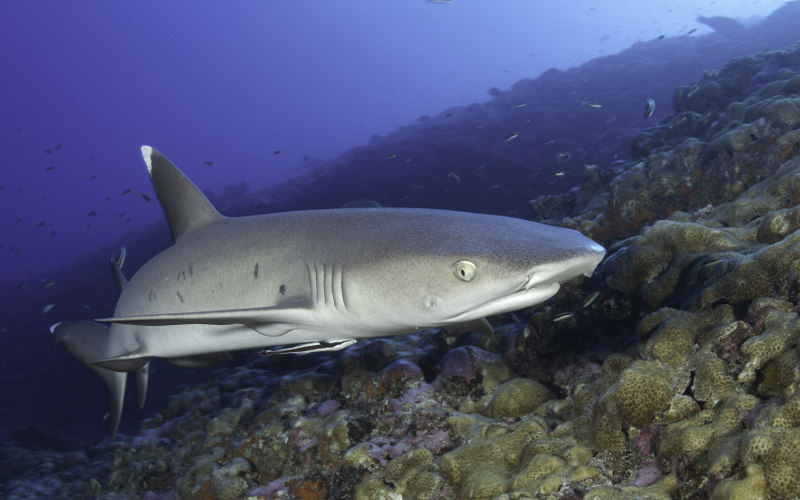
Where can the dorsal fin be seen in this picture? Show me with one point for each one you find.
(185, 206)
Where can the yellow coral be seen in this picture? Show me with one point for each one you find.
(673, 339)
(681, 406)
(538, 468)
(646, 387)
(782, 330)
(752, 487)
(789, 414)
(711, 381)
(607, 424)
(517, 397)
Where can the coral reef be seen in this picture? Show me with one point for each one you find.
(673, 373)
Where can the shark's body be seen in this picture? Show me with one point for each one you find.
(321, 279)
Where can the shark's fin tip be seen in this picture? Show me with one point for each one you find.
(147, 152)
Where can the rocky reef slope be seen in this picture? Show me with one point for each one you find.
(673, 373)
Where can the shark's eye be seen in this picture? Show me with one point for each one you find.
(464, 270)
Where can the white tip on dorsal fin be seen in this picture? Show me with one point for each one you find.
(185, 206)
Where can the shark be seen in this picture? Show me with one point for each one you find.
(313, 281)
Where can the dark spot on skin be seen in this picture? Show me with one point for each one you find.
(282, 289)
(151, 295)
(180, 297)
(255, 271)
(191, 271)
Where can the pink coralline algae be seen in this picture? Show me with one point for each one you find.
(647, 475)
(327, 407)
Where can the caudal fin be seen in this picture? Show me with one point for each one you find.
(89, 342)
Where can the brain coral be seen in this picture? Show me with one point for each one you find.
(646, 387)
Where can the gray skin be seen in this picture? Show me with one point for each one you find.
(321, 279)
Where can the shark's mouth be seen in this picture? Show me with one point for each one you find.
(525, 296)
(538, 285)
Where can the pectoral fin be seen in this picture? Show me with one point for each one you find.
(283, 313)
(480, 325)
(201, 360)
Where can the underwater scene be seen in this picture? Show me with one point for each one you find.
(394, 251)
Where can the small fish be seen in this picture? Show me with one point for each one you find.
(661, 37)
(454, 176)
(691, 31)
(591, 299)
(123, 252)
(209, 163)
(42, 224)
(93, 177)
(548, 142)
(48, 284)
(92, 213)
(277, 152)
(521, 105)
(590, 104)
(145, 197)
(48, 151)
(712, 262)
(127, 191)
(511, 137)
(121, 215)
(50, 168)
(563, 157)
(407, 160)
(563, 316)
(390, 156)
(560, 173)
(57, 146)
(448, 115)
(650, 109)
(46, 309)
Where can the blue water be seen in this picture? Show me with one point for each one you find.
(288, 105)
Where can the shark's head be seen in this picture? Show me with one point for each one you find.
(454, 268)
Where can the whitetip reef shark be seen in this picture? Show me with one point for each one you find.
(317, 280)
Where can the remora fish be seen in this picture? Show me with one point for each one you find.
(319, 278)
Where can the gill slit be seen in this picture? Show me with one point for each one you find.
(327, 287)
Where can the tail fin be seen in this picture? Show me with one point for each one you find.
(88, 342)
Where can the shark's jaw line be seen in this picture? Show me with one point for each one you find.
(318, 280)
(524, 296)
